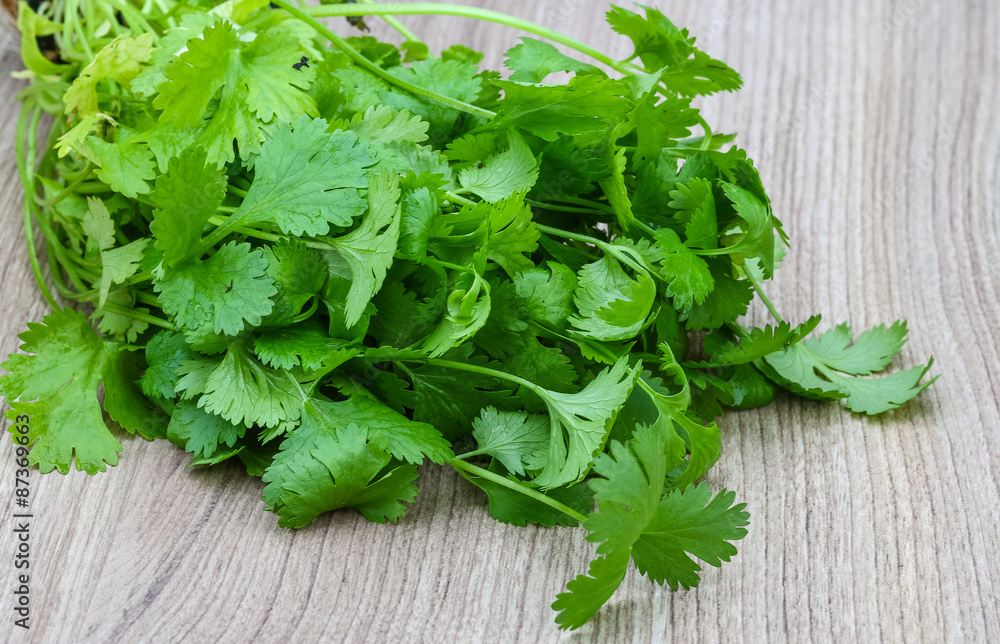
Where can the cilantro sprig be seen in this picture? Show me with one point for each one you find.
(333, 259)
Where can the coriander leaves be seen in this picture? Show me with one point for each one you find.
(336, 260)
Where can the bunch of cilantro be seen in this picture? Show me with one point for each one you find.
(333, 259)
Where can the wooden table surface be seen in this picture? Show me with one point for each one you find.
(875, 127)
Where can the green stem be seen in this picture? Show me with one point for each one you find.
(118, 309)
(397, 25)
(26, 170)
(706, 141)
(308, 313)
(371, 67)
(92, 187)
(763, 296)
(457, 198)
(224, 223)
(646, 228)
(471, 368)
(454, 267)
(474, 470)
(68, 190)
(568, 235)
(558, 207)
(611, 249)
(590, 203)
(433, 8)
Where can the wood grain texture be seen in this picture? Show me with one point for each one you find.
(874, 124)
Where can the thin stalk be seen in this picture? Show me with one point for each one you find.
(763, 297)
(558, 207)
(68, 190)
(590, 203)
(223, 223)
(308, 313)
(371, 67)
(454, 267)
(568, 235)
(471, 368)
(706, 141)
(474, 470)
(397, 25)
(433, 8)
(457, 198)
(118, 309)
(643, 226)
(26, 170)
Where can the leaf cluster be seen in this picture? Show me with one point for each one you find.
(332, 264)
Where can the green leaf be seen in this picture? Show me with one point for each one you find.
(241, 389)
(762, 342)
(756, 238)
(502, 173)
(689, 523)
(299, 274)
(873, 350)
(727, 301)
(515, 508)
(368, 250)
(468, 307)
(186, 196)
(750, 388)
(405, 439)
(704, 443)
(585, 105)
(251, 84)
(579, 424)
(689, 279)
(323, 467)
(545, 366)
(450, 399)
(462, 53)
(56, 388)
(126, 165)
(97, 227)
(380, 125)
(568, 169)
(124, 401)
(612, 305)
(659, 44)
(120, 60)
(587, 593)
(453, 78)
(119, 264)
(224, 293)
(830, 367)
(659, 126)
(164, 353)
(303, 345)
(307, 179)
(548, 293)
(31, 25)
(504, 331)
(200, 433)
(519, 441)
(696, 203)
(533, 60)
(418, 210)
(513, 234)
(628, 485)
(616, 192)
